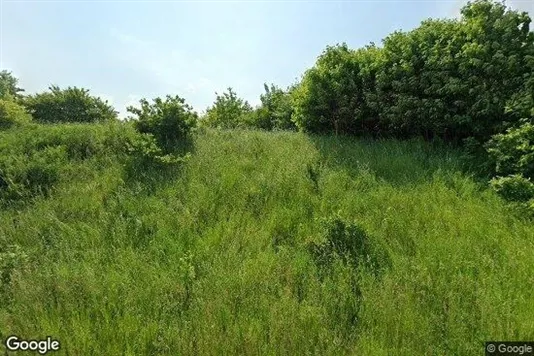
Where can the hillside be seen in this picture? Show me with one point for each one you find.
(260, 243)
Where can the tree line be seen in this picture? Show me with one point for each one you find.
(469, 81)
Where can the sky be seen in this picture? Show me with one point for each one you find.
(127, 50)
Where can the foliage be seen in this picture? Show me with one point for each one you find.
(34, 158)
(446, 78)
(513, 152)
(453, 78)
(417, 83)
(9, 85)
(330, 97)
(23, 177)
(514, 188)
(521, 105)
(12, 114)
(147, 156)
(170, 122)
(228, 111)
(275, 110)
(68, 105)
(349, 242)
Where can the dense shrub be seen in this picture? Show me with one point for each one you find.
(417, 84)
(453, 77)
(275, 110)
(33, 160)
(68, 105)
(521, 105)
(330, 97)
(513, 152)
(228, 111)
(25, 176)
(170, 122)
(146, 152)
(12, 114)
(514, 188)
(446, 78)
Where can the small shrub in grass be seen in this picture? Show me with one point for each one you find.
(147, 158)
(514, 188)
(24, 176)
(146, 150)
(170, 122)
(349, 242)
(12, 114)
(42, 171)
(79, 140)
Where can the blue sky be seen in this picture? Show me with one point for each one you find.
(126, 50)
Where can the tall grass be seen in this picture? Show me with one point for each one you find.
(215, 258)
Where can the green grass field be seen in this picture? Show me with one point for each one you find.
(216, 257)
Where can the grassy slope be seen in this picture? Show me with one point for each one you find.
(213, 260)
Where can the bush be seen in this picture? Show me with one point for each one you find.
(25, 176)
(513, 152)
(275, 110)
(514, 188)
(68, 105)
(146, 152)
(12, 114)
(34, 160)
(349, 242)
(170, 122)
(228, 112)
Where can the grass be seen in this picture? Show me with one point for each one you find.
(215, 257)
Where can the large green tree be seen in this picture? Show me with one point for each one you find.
(453, 78)
(328, 98)
(446, 78)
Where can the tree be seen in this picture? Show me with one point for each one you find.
(493, 62)
(9, 85)
(419, 91)
(332, 96)
(68, 105)
(12, 114)
(228, 111)
(275, 110)
(453, 78)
